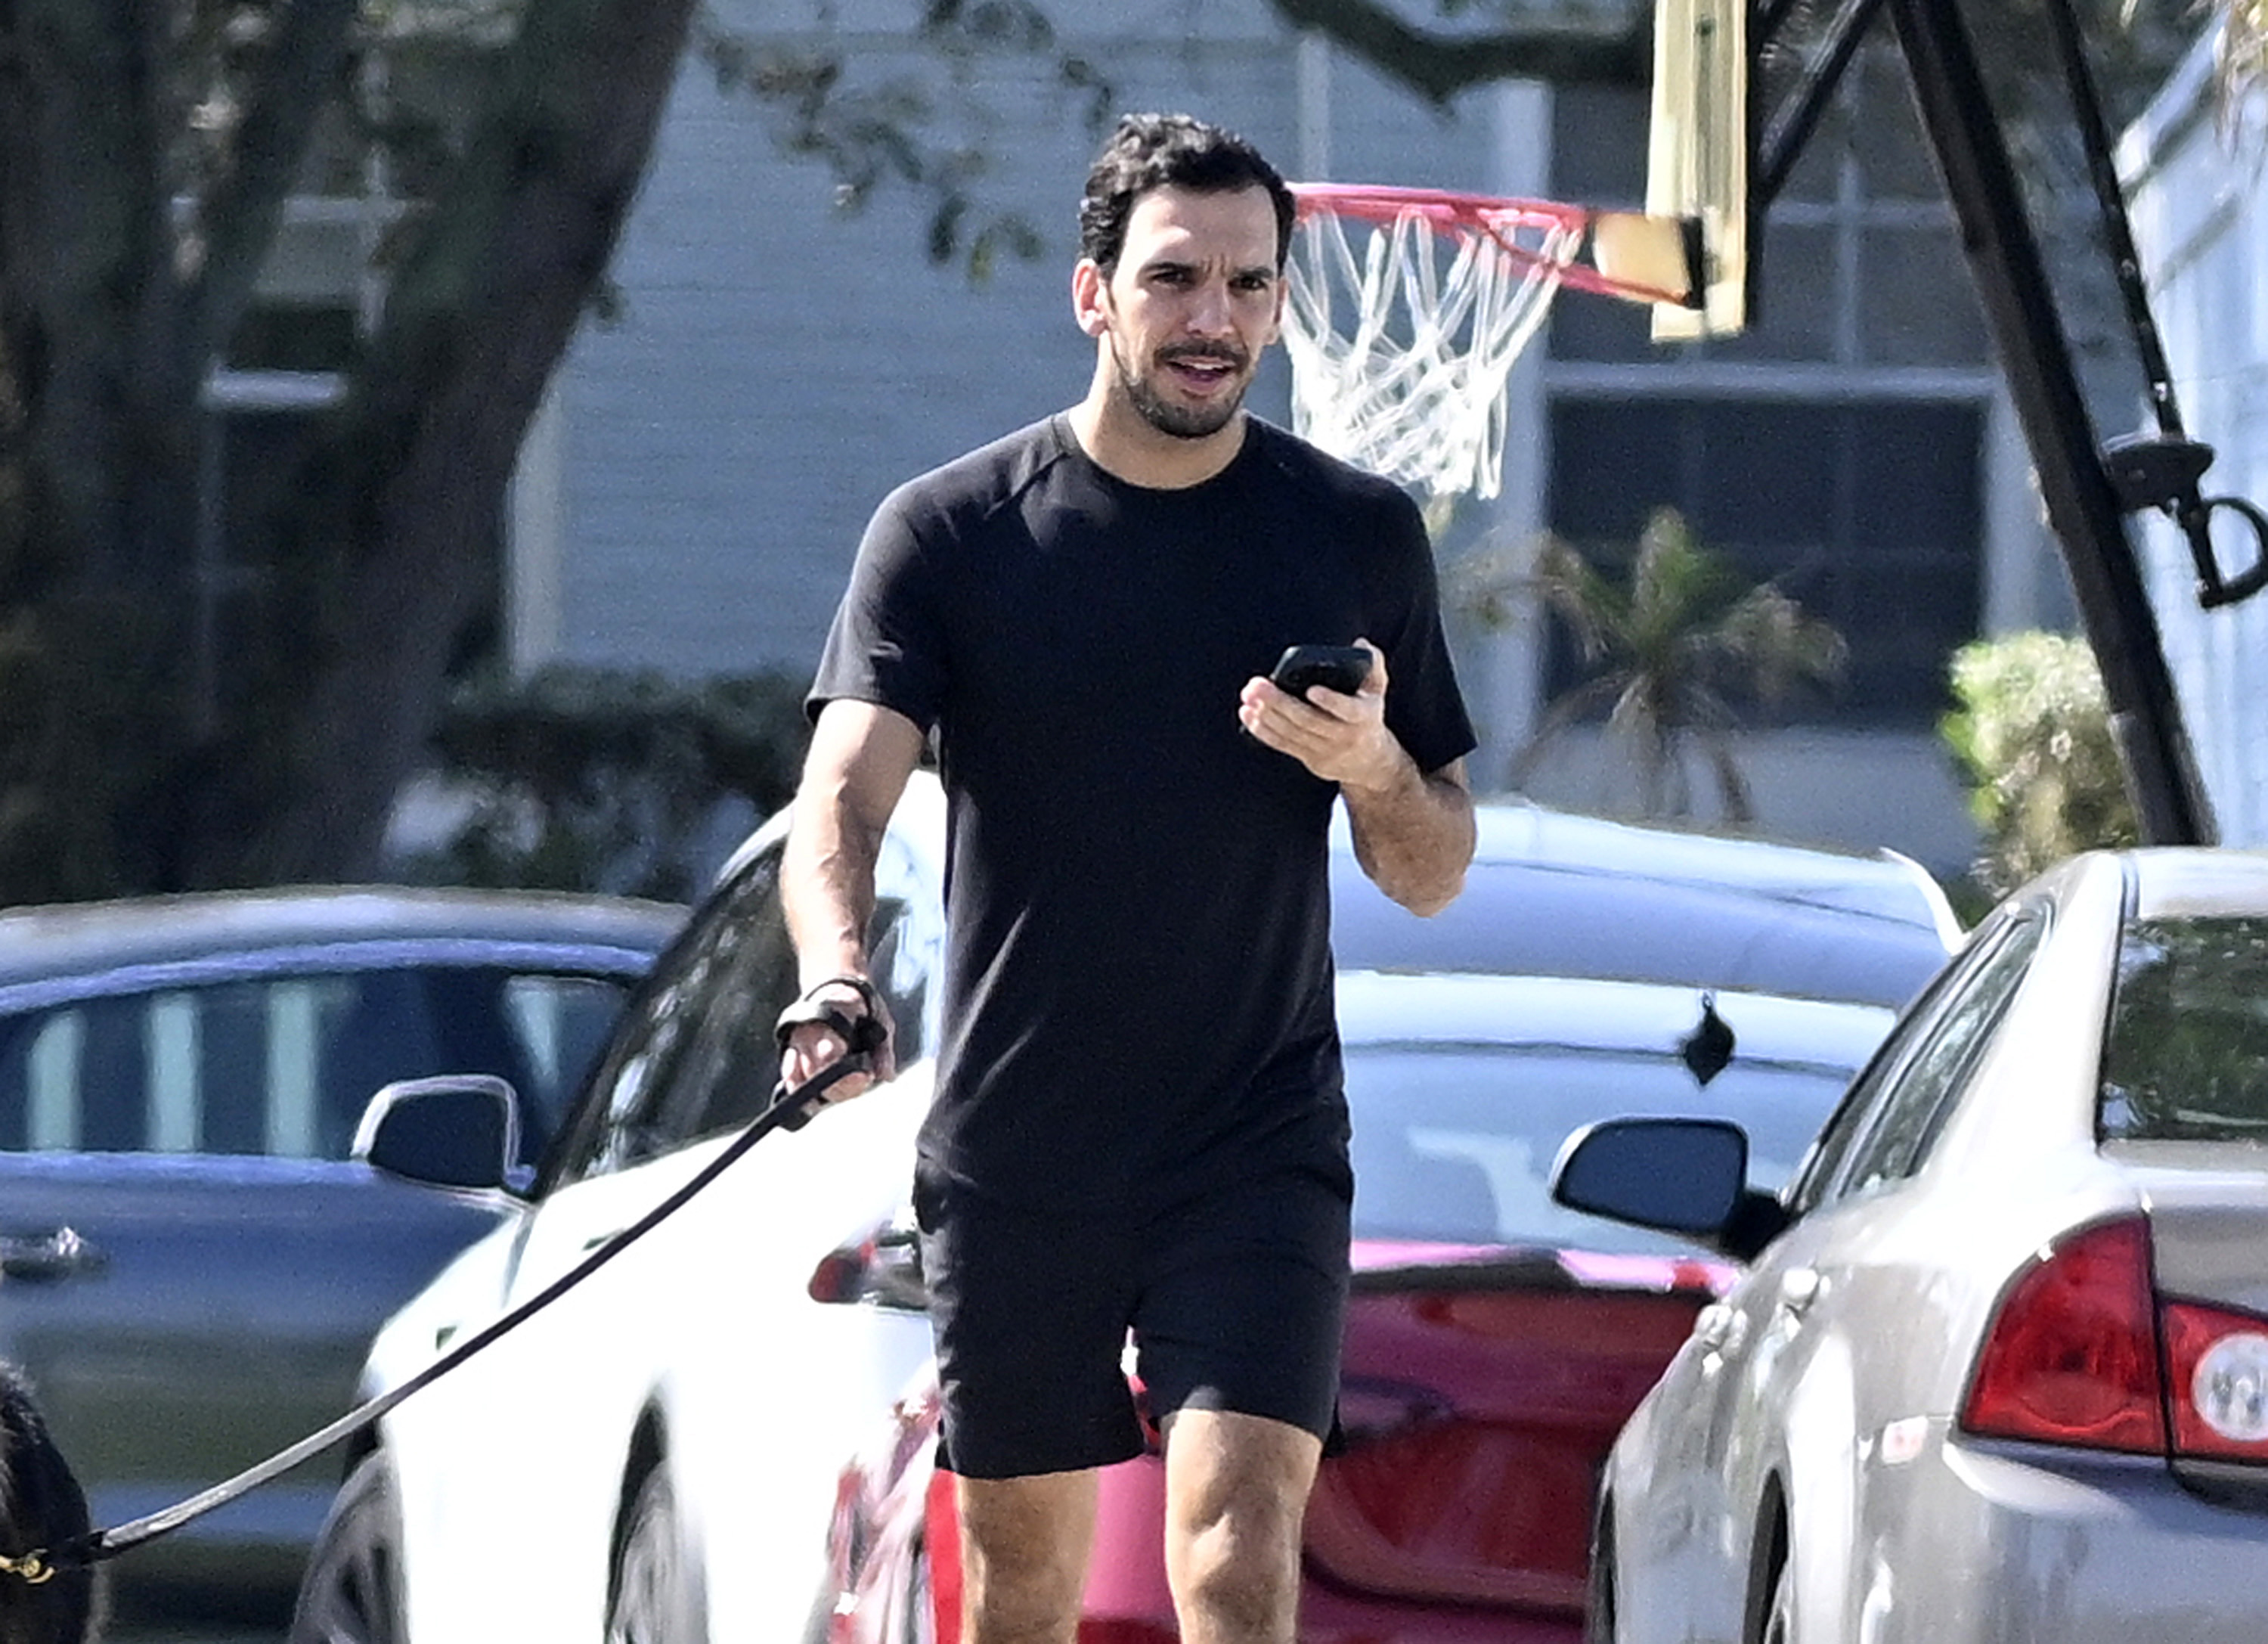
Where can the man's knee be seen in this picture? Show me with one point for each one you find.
(1236, 1493)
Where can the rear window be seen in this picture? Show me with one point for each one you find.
(1456, 1143)
(2186, 1058)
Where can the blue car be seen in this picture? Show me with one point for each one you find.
(191, 1266)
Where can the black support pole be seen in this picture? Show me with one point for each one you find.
(2083, 509)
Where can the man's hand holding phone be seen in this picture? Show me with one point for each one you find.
(1325, 705)
(1342, 669)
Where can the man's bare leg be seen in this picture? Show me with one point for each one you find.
(1024, 1544)
(1236, 1492)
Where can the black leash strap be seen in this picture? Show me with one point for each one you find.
(787, 1110)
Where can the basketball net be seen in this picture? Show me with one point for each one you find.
(1406, 309)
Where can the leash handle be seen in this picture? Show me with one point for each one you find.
(784, 1109)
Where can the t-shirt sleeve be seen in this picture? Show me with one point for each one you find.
(887, 643)
(1424, 708)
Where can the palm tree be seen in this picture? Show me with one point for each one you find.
(1674, 648)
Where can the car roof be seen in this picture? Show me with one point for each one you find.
(70, 939)
(1557, 893)
(1587, 1014)
(2189, 881)
(1880, 884)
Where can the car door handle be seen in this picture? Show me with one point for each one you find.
(47, 1257)
(1799, 1288)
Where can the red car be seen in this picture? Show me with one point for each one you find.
(1496, 1342)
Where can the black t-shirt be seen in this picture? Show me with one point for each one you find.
(1138, 996)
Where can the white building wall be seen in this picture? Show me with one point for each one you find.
(2197, 176)
(693, 496)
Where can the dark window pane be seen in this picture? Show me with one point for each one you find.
(2187, 1057)
(114, 1076)
(1917, 304)
(278, 336)
(1761, 486)
(1612, 463)
(1798, 288)
(232, 1062)
(1598, 145)
(1920, 474)
(1586, 326)
(1868, 515)
(1895, 161)
(1816, 176)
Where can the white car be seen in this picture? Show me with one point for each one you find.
(655, 1457)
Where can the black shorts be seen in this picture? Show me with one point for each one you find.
(1235, 1301)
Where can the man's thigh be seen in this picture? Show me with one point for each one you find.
(1243, 1304)
(1030, 1313)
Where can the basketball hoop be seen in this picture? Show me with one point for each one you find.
(1400, 353)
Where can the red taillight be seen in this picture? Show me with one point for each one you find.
(2217, 1362)
(2072, 1357)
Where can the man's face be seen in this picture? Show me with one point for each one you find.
(1194, 301)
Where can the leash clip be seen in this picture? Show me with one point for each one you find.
(33, 1568)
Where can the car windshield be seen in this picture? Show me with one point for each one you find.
(1454, 1144)
(2187, 1055)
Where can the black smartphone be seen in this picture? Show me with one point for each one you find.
(1342, 669)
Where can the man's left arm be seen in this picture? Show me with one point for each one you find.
(1413, 829)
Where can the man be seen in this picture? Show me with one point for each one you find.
(1137, 1123)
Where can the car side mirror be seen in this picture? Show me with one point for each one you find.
(458, 1131)
(1686, 1175)
(883, 1267)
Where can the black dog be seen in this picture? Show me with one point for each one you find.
(41, 1509)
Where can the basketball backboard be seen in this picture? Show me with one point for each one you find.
(1700, 144)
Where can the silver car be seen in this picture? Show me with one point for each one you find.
(1998, 1366)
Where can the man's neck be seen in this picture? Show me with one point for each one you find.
(1120, 440)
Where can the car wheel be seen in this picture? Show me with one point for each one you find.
(1779, 1615)
(1599, 1588)
(656, 1594)
(918, 1622)
(350, 1593)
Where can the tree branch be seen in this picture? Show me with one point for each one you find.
(1437, 66)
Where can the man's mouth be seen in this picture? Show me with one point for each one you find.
(1202, 369)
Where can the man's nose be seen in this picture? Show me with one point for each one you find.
(1211, 312)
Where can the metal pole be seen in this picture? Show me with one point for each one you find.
(2170, 804)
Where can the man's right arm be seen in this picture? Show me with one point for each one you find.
(861, 756)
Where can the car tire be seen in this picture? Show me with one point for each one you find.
(1779, 1612)
(351, 1591)
(656, 1594)
(1599, 1587)
(917, 1623)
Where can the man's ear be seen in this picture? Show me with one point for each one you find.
(1089, 293)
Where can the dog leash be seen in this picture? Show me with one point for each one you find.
(784, 1109)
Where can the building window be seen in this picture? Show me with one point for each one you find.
(1839, 444)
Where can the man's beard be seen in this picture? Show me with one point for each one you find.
(1181, 422)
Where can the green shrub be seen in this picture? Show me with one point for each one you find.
(2031, 734)
(582, 779)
